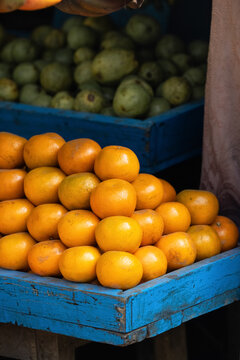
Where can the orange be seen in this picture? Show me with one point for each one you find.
(176, 216)
(41, 150)
(77, 228)
(151, 223)
(169, 193)
(43, 257)
(43, 221)
(113, 197)
(153, 260)
(37, 4)
(14, 251)
(149, 191)
(206, 240)
(11, 150)
(11, 184)
(203, 205)
(116, 162)
(79, 263)
(41, 185)
(179, 249)
(120, 233)
(75, 190)
(13, 215)
(119, 270)
(78, 155)
(227, 231)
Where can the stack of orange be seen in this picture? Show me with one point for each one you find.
(86, 213)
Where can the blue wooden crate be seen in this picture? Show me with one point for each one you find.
(117, 317)
(159, 142)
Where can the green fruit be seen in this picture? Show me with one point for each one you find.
(8, 90)
(24, 50)
(135, 79)
(56, 77)
(10, 5)
(151, 72)
(43, 100)
(198, 49)
(131, 100)
(6, 52)
(143, 29)
(62, 100)
(198, 92)
(90, 85)
(5, 70)
(25, 73)
(55, 39)
(29, 92)
(72, 21)
(158, 106)
(89, 101)
(83, 54)
(83, 72)
(64, 56)
(120, 41)
(101, 24)
(169, 45)
(108, 111)
(81, 36)
(110, 66)
(168, 67)
(195, 76)
(39, 34)
(176, 90)
(182, 61)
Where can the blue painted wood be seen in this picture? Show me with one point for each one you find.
(159, 142)
(92, 312)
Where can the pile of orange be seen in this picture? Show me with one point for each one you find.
(74, 210)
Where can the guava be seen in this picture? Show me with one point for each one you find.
(182, 61)
(176, 90)
(198, 49)
(62, 100)
(151, 72)
(168, 67)
(108, 111)
(198, 92)
(8, 90)
(143, 29)
(40, 64)
(169, 45)
(5, 70)
(131, 100)
(100, 24)
(158, 106)
(89, 101)
(110, 66)
(90, 85)
(23, 50)
(195, 76)
(83, 72)
(120, 41)
(25, 73)
(29, 92)
(135, 79)
(39, 34)
(6, 52)
(83, 54)
(81, 36)
(64, 56)
(55, 39)
(56, 77)
(43, 100)
(72, 21)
